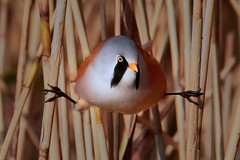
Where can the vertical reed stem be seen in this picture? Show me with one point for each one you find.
(176, 77)
(33, 42)
(3, 29)
(14, 123)
(54, 62)
(54, 149)
(192, 130)
(79, 22)
(234, 135)
(72, 66)
(217, 106)
(206, 39)
(63, 116)
(21, 64)
(45, 29)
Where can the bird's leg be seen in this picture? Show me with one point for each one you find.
(188, 94)
(58, 93)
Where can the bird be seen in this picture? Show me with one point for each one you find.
(120, 76)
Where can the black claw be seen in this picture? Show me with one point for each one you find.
(51, 99)
(48, 90)
(192, 101)
(58, 93)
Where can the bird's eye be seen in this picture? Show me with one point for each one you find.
(120, 59)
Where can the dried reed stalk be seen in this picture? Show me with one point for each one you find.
(235, 4)
(21, 101)
(78, 19)
(94, 134)
(155, 19)
(45, 29)
(158, 133)
(207, 140)
(54, 149)
(206, 34)
(21, 64)
(233, 140)
(22, 129)
(176, 77)
(3, 29)
(22, 49)
(87, 135)
(31, 133)
(192, 133)
(97, 126)
(160, 35)
(206, 39)
(22, 67)
(207, 30)
(218, 135)
(117, 19)
(192, 129)
(14, 122)
(116, 136)
(40, 52)
(227, 88)
(62, 112)
(78, 132)
(54, 62)
(165, 107)
(186, 42)
(125, 149)
(101, 141)
(162, 45)
(103, 19)
(20, 104)
(63, 116)
(72, 66)
(142, 23)
(33, 42)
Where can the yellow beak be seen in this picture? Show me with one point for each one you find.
(133, 66)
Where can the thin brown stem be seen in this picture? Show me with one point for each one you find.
(3, 30)
(54, 63)
(176, 76)
(192, 130)
(72, 66)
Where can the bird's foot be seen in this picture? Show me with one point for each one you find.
(58, 93)
(188, 94)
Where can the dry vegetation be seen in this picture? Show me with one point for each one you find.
(197, 43)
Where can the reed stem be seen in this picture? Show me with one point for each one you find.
(176, 77)
(54, 63)
(192, 130)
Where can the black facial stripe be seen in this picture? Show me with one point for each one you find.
(137, 78)
(119, 71)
